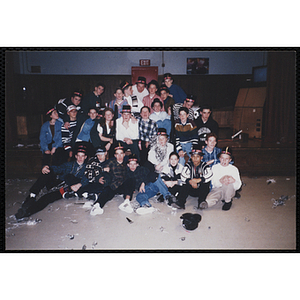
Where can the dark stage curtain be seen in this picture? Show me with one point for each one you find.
(280, 109)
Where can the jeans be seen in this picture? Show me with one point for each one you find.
(186, 147)
(165, 124)
(151, 189)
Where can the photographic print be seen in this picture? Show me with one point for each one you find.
(103, 154)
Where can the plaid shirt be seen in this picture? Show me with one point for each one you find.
(118, 173)
(209, 156)
(147, 130)
(214, 155)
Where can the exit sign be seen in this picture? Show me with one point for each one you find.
(144, 62)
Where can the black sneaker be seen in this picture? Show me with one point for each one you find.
(28, 202)
(21, 213)
(160, 197)
(176, 205)
(227, 205)
(237, 195)
(92, 196)
(170, 199)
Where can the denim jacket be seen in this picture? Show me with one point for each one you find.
(85, 130)
(46, 135)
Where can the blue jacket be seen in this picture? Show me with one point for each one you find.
(71, 167)
(46, 135)
(85, 131)
(178, 93)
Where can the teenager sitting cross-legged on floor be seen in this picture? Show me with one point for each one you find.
(225, 181)
(196, 175)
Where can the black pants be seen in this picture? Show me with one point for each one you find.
(95, 188)
(134, 148)
(201, 192)
(144, 153)
(48, 181)
(127, 189)
(59, 157)
(43, 202)
(180, 192)
(111, 148)
(45, 180)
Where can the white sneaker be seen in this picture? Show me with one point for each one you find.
(145, 210)
(88, 204)
(85, 194)
(126, 206)
(96, 210)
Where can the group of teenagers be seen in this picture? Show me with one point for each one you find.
(173, 153)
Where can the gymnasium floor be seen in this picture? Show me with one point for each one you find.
(251, 224)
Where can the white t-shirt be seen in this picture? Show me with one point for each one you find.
(139, 95)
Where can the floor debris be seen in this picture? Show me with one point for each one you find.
(130, 221)
(271, 180)
(247, 219)
(182, 238)
(162, 229)
(83, 247)
(70, 236)
(280, 201)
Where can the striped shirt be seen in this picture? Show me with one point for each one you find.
(185, 133)
(202, 171)
(176, 108)
(67, 134)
